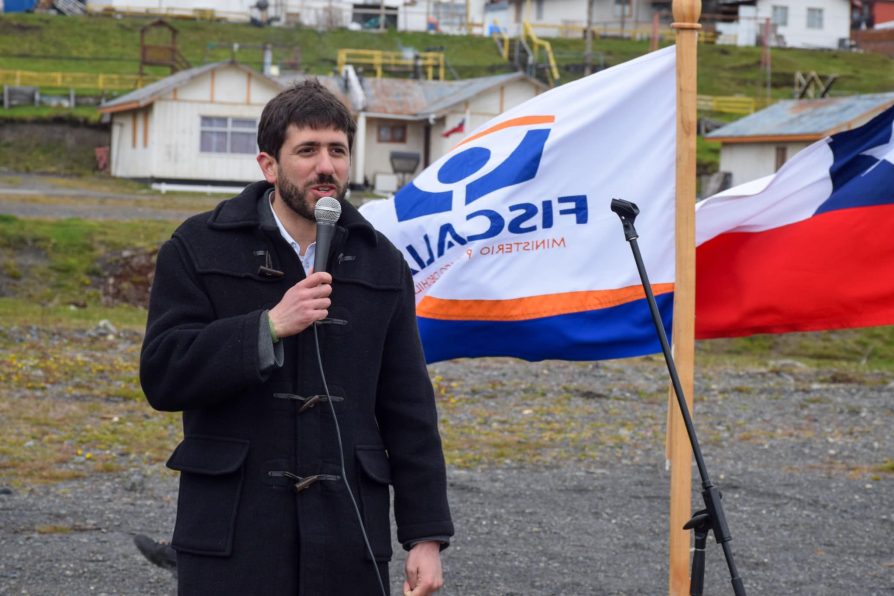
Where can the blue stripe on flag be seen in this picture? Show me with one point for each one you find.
(619, 332)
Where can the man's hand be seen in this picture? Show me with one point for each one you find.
(303, 304)
(424, 569)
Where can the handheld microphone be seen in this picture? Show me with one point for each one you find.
(326, 212)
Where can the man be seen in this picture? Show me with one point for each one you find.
(236, 319)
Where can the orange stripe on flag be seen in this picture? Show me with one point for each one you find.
(533, 307)
(522, 121)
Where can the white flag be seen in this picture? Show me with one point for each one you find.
(510, 236)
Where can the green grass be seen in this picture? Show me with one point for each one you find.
(56, 263)
(37, 113)
(727, 70)
(33, 155)
(22, 311)
(101, 44)
(73, 407)
(867, 349)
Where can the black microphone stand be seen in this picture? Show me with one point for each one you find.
(712, 516)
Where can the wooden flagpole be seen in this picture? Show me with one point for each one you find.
(686, 15)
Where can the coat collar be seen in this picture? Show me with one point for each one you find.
(249, 210)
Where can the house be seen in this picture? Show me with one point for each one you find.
(807, 23)
(568, 18)
(810, 24)
(758, 145)
(197, 124)
(312, 13)
(552, 18)
(201, 124)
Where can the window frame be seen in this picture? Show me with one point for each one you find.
(230, 131)
(816, 13)
(391, 127)
(779, 10)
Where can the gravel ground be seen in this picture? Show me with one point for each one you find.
(794, 450)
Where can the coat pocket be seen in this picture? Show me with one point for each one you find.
(211, 472)
(375, 477)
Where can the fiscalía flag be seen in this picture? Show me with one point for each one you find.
(510, 238)
(809, 248)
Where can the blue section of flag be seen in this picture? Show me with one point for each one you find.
(858, 179)
(621, 331)
(520, 166)
(411, 202)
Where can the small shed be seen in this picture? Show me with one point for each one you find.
(758, 145)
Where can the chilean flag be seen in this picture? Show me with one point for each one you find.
(809, 248)
(460, 127)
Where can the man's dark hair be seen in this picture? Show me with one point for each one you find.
(307, 104)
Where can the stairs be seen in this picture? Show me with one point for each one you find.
(527, 59)
(523, 57)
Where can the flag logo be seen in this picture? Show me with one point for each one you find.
(436, 190)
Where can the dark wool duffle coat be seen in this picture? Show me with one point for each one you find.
(240, 530)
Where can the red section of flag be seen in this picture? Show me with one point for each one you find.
(831, 271)
(461, 127)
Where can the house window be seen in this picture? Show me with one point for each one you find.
(622, 8)
(449, 14)
(814, 18)
(392, 133)
(229, 135)
(539, 10)
(781, 156)
(780, 16)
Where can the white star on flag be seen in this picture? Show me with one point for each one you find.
(882, 153)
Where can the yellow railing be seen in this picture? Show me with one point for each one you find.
(613, 29)
(537, 44)
(730, 104)
(379, 60)
(502, 38)
(73, 80)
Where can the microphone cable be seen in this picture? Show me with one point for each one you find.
(341, 456)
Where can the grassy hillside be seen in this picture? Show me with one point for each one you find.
(102, 44)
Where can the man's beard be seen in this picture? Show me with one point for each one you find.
(297, 199)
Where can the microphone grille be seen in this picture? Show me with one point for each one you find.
(327, 210)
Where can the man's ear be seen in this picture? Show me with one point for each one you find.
(268, 166)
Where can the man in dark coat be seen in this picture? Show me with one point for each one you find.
(285, 452)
